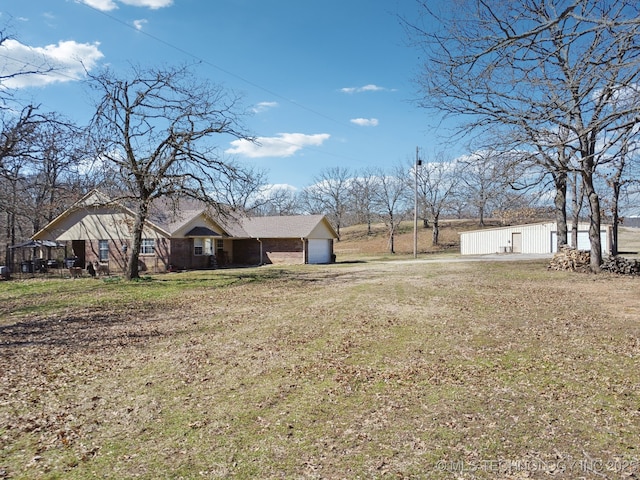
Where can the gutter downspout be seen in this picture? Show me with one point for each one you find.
(305, 259)
(260, 242)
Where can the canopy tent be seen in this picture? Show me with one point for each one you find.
(31, 255)
(38, 244)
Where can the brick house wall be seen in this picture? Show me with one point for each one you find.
(246, 252)
(117, 258)
(181, 253)
(156, 262)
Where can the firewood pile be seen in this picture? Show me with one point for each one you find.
(621, 266)
(569, 258)
(572, 259)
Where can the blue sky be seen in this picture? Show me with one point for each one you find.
(330, 81)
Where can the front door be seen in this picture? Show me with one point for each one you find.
(78, 247)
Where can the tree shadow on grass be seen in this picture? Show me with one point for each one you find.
(78, 331)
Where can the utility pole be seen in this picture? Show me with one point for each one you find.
(415, 205)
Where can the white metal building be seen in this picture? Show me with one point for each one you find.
(532, 238)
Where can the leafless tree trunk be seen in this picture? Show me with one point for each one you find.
(391, 200)
(437, 187)
(154, 131)
(363, 192)
(16, 146)
(577, 195)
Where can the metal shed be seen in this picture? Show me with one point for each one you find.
(532, 238)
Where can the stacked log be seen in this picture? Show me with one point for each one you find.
(569, 258)
(621, 266)
(572, 259)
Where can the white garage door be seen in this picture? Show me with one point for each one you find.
(320, 250)
(583, 240)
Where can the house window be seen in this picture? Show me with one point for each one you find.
(148, 246)
(103, 250)
(197, 246)
(202, 246)
(219, 244)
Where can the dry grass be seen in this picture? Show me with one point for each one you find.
(355, 242)
(359, 370)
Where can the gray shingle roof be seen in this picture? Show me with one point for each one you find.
(294, 226)
(171, 216)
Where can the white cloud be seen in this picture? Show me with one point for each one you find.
(281, 186)
(264, 106)
(139, 23)
(365, 122)
(67, 61)
(103, 5)
(283, 145)
(107, 5)
(366, 88)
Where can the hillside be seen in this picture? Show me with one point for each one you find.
(354, 241)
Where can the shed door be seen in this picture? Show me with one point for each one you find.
(319, 250)
(516, 242)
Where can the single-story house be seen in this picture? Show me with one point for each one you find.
(187, 234)
(532, 238)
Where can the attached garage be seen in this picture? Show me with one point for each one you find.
(532, 238)
(320, 250)
(311, 238)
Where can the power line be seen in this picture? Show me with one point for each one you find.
(217, 67)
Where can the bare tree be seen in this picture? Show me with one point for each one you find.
(545, 65)
(485, 178)
(616, 178)
(330, 194)
(243, 190)
(154, 131)
(437, 188)
(391, 200)
(17, 139)
(363, 195)
(279, 201)
(55, 178)
(554, 154)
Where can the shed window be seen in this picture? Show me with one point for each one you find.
(103, 250)
(147, 247)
